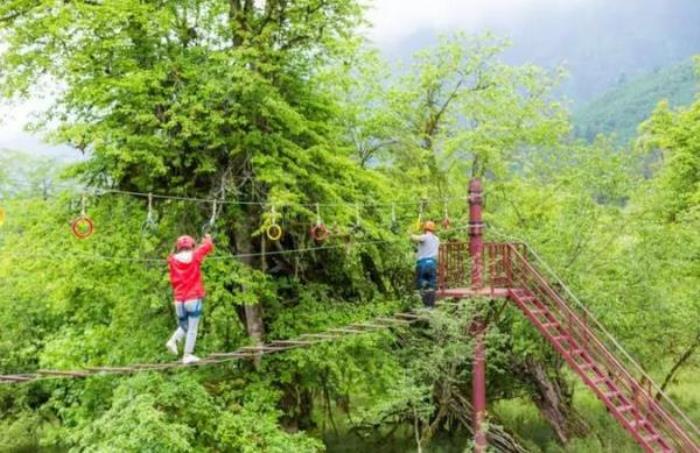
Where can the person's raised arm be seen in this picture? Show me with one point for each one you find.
(205, 248)
(417, 237)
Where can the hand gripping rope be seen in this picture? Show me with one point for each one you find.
(319, 232)
(272, 230)
(82, 226)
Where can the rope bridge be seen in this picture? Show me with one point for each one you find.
(246, 352)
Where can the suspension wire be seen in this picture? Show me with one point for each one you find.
(53, 256)
(104, 191)
(595, 320)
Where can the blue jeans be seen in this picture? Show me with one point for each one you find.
(188, 314)
(426, 274)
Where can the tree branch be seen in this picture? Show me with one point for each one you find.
(681, 361)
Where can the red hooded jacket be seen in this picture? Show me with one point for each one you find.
(186, 274)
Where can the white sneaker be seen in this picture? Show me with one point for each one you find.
(189, 358)
(172, 347)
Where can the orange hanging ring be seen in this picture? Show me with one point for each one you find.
(319, 232)
(274, 232)
(82, 227)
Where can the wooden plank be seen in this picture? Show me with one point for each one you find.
(17, 378)
(68, 373)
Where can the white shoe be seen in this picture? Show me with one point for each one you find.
(172, 346)
(189, 358)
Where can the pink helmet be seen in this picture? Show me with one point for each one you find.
(184, 242)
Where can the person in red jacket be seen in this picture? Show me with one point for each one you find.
(188, 289)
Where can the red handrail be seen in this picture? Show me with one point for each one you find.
(586, 335)
(506, 266)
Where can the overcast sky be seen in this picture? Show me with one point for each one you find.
(395, 21)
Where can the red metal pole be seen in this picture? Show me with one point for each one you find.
(476, 243)
(476, 251)
(479, 388)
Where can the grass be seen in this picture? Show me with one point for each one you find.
(522, 417)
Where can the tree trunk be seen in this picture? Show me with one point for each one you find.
(554, 399)
(499, 439)
(679, 363)
(297, 403)
(253, 313)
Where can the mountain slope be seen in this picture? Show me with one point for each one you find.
(620, 110)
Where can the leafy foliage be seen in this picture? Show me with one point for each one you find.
(282, 105)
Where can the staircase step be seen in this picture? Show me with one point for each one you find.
(651, 439)
(625, 408)
(612, 393)
(585, 366)
(598, 380)
(637, 423)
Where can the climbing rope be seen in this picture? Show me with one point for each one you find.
(446, 217)
(149, 225)
(357, 229)
(419, 221)
(209, 226)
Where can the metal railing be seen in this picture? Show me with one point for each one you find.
(514, 265)
(456, 270)
(607, 352)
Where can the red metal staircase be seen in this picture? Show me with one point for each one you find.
(654, 421)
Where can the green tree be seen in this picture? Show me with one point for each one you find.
(204, 97)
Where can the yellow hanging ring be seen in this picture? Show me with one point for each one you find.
(3, 216)
(274, 232)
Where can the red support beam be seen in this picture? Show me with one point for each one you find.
(478, 328)
(479, 388)
(476, 241)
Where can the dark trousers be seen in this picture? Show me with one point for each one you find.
(426, 280)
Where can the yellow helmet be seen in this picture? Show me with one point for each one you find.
(429, 226)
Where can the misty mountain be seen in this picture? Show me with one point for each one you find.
(620, 110)
(599, 42)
